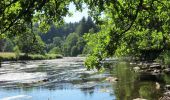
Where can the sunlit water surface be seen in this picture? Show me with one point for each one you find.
(60, 79)
(68, 79)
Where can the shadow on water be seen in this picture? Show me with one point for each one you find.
(68, 79)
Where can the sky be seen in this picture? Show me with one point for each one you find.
(77, 15)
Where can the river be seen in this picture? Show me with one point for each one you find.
(68, 79)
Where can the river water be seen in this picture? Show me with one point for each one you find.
(68, 79)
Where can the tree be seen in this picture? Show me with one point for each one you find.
(129, 28)
(70, 42)
(2, 45)
(55, 50)
(85, 25)
(9, 45)
(74, 51)
(30, 43)
(15, 13)
(82, 27)
(126, 24)
(57, 41)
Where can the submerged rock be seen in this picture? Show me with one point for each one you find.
(157, 86)
(167, 70)
(112, 79)
(151, 76)
(167, 87)
(132, 63)
(157, 66)
(136, 69)
(87, 85)
(164, 98)
(105, 90)
(166, 94)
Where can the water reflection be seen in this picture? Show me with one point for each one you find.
(65, 79)
(68, 79)
(130, 87)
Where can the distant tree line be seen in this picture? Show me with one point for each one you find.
(66, 39)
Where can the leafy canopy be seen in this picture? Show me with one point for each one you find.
(127, 26)
(15, 13)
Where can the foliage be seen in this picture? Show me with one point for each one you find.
(17, 52)
(55, 50)
(129, 28)
(40, 57)
(14, 14)
(70, 41)
(57, 36)
(7, 56)
(30, 42)
(165, 57)
(8, 45)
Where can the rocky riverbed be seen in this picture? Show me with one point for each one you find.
(156, 72)
(67, 79)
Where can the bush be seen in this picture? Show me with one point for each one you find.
(55, 50)
(5, 56)
(166, 58)
(17, 52)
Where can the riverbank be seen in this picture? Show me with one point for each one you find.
(155, 72)
(9, 56)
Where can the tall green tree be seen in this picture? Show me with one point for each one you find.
(128, 28)
(126, 24)
(70, 42)
(30, 43)
(82, 28)
(15, 13)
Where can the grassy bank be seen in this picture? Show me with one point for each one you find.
(9, 56)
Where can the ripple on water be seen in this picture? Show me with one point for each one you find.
(18, 97)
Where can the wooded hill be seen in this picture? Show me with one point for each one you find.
(66, 39)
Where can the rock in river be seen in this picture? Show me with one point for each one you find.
(111, 79)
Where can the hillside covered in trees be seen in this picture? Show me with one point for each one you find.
(66, 39)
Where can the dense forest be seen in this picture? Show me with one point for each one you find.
(66, 39)
(137, 28)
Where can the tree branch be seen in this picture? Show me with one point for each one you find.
(24, 12)
(139, 7)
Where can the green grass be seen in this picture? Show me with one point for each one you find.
(9, 56)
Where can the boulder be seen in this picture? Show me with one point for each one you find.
(151, 76)
(136, 69)
(167, 93)
(167, 87)
(140, 64)
(132, 63)
(112, 79)
(167, 70)
(157, 86)
(164, 98)
(153, 66)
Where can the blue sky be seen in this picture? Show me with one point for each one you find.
(77, 16)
